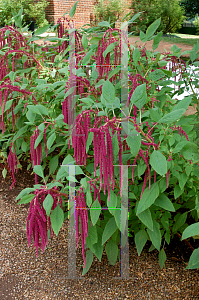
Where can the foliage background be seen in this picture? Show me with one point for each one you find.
(33, 11)
(171, 13)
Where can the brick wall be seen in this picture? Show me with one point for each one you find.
(84, 12)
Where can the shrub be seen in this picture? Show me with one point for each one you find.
(103, 11)
(171, 14)
(196, 23)
(32, 11)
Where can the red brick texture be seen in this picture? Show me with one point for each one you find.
(84, 12)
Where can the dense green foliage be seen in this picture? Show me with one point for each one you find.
(171, 14)
(33, 11)
(145, 129)
(191, 7)
(103, 11)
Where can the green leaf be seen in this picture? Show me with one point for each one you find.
(89, 141)
(57, 219)
(194, 260)
(26, 199)
(165, 221)
(133, 18)
(184, 103)
(139, 97)
(87, 57)
(84, 41)
(33, 108)
(73, 10)
(53, 164)
(92, 233)
(141, 238)
(117, 216)
(24, 192)
(179, 222)
(113, 72)
(177, 191)
(155, 235)
(47, 204)
(68, 160)
(115, 145)
(51, 140)
(95, 211)
(98, 246)
(63, 70)
(164, 202)
(42, 30)
(89, 260)
(134, 142)
(42, 110)
(158, 162)
(108, 91)
(109, 229)
(148, 198)
(172, 116)
(190, 231)
(179, 146)
(152, 29)
(88, 198)
(38, 140)
(182, 180)
(4, 173)
(136, 55)
(142, 36)
(109, 49)
(38, 170)
(20, 133)
(124, 220)
(30, 116)
(112, 252)
(104, 24)
(157, 40)
(176, 50)
(155, 116)
(8, 105)
(156, 75)
(112, 204)
(146, 218)
(162, 258)
(188, 169)
(167, 237)
(190, 152)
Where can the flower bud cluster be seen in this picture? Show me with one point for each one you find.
(12, 163)
(37, 221)
(81, 211)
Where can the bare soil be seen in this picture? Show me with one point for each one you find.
(163, 47)
(24, 276)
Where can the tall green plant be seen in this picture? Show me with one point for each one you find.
(158, 143)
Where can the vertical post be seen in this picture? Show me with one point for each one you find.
(124, 244)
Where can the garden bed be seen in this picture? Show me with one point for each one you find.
(24, 276)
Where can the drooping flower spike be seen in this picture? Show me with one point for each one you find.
(37, 221)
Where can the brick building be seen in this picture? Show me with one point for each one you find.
(84, 12)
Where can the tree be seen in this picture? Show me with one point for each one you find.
(191, 7)
(171, 13)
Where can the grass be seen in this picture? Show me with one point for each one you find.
(182, 39)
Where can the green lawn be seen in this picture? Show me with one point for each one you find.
(182, 38)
